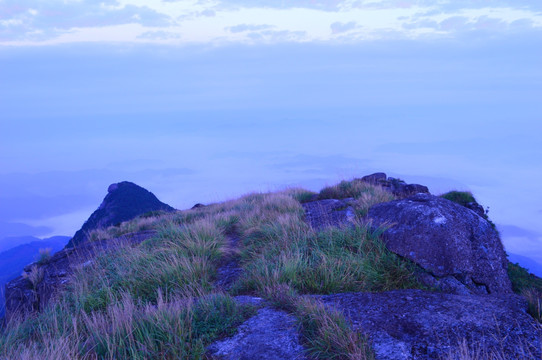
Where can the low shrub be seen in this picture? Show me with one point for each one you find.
(527, 285)
(462, 198)
(44, 256)
(521, 279)
(344, 189)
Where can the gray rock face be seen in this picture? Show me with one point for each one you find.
(124, 201)
(375, 179)
(270, 334)
(397, 187)
(330, 212)
(23, 297)
(415, 324)
(450, 241)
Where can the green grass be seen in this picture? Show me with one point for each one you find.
(529, 286)
(344, 189)
(331, 261)
(178, 329)
(462, 198)
(365, 195)
(44, 256)
(158, 300)
(325, 332)
(521, 279)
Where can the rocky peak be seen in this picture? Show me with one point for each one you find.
(397, 187)
(124, 201)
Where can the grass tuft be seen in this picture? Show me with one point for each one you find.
(159, 299)
(325, 332)
(462, 198)
(44, 256)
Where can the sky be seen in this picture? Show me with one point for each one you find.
(202, 101)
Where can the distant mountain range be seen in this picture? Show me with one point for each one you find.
(13, 241)
(528, 263)
(21, 252)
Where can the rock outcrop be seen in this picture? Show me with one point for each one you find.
(415, 324)
(124, 201)
(397, 187)
(329, 212)
(27, 294)
(460, 249)
(270, 334)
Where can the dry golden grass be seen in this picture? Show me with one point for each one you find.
(139, 302)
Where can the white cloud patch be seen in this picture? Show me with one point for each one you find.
(159, 35)
(27, 22)
(209, 13)
(248, 27)
(274, 36)
(29, 19)
(339, 27)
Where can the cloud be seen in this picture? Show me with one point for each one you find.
(30, 20)
(221, 22)
(208, 13)
(248, 27)
(47, 194)
(8, 229)
(339, 27)
(276, 36)
(454, 23)
(159, 35)
(516, 231)
(325, 5)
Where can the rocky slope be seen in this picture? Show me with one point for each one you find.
(124, 201)
(461, 305)
(13, 261)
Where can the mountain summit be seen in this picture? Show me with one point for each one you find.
(124, 201)
(371, 268)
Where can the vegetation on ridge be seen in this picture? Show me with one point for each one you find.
(462, 198)
(160, 299)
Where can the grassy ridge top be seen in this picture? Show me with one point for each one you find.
(160, 299)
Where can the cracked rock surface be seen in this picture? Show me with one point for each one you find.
(421, 325)
(449, 241)
(270, 334)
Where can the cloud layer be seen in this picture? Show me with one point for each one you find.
(39, 22)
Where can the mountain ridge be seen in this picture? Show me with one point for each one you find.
(124, 201)
(229, 273)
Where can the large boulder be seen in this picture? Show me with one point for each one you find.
(420, 325)
(124, 201)
(460, 250)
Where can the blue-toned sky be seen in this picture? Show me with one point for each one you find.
(201, 101)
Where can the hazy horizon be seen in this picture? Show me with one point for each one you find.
(202, 101)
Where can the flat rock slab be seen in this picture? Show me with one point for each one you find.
(416, 324)
(330, 212)
(270, 334)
